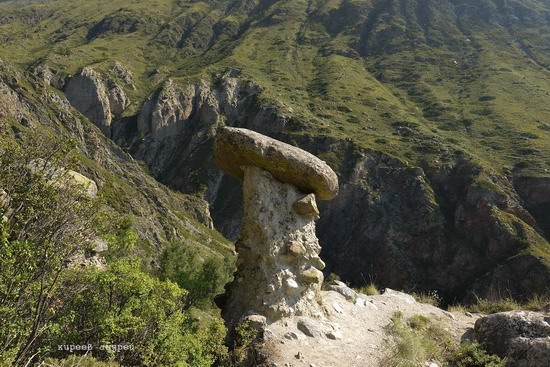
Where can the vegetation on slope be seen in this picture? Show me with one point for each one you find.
(419, 79)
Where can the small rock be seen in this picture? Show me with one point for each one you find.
(300, 355)
(334, 334)
(337, 307)
(403, 296)
(257, 322)
(307, 206)
(291, 283)
(312, 275)
(309, 327)
(345, 291)
(449, 315)
(269, 335)
(469, 314)
(292, 335)
(296, 248)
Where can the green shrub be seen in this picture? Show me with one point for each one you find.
(48, 221)
(203, 279)
(124, 306)
(471, 354)
(78, 361)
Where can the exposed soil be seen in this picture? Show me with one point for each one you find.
(363, 326)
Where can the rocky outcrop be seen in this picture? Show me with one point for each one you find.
(522, 337)
(455, 228)
(156, 213)
(535, 194)
(96, 99)
(278, 267)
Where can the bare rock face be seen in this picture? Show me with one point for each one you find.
(118, 101)
(236, 148)
(278, 267)
(89, 94)
(521, 336)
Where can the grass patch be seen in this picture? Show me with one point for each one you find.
(419, 340)
(431, 298)
(536, 303)
(370, 290)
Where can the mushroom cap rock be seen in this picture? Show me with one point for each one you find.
(236, 147)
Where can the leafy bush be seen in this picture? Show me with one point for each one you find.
(50, 309)
(142, 316)
(203, 279)
(471, 354)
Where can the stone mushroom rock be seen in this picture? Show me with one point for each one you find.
(278, 267)
(235, 148)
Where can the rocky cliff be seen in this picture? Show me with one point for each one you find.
(157, 214)
(458, 228)
(95, 98)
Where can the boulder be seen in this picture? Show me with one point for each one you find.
(522, 337)
(343, 289)
(307, 206)
(236, 148)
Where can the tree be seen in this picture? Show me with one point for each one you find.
(45, 221)
(204, 279)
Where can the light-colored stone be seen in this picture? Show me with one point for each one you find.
(283, 282)
(343, 289)
(307, 206)
(292, 335)
(403, 296)
(257, 322)
(235, 148)
(312, 275)
(296, 248)
(310, 327)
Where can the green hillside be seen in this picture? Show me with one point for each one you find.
(417, 79)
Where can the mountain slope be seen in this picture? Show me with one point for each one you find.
(434, 113)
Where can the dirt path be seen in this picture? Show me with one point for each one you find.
(358, 338)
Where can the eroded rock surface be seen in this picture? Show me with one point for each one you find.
(94, 98)
(522, 337)
(278, 267)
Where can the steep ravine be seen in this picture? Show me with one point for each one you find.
(456, 228)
